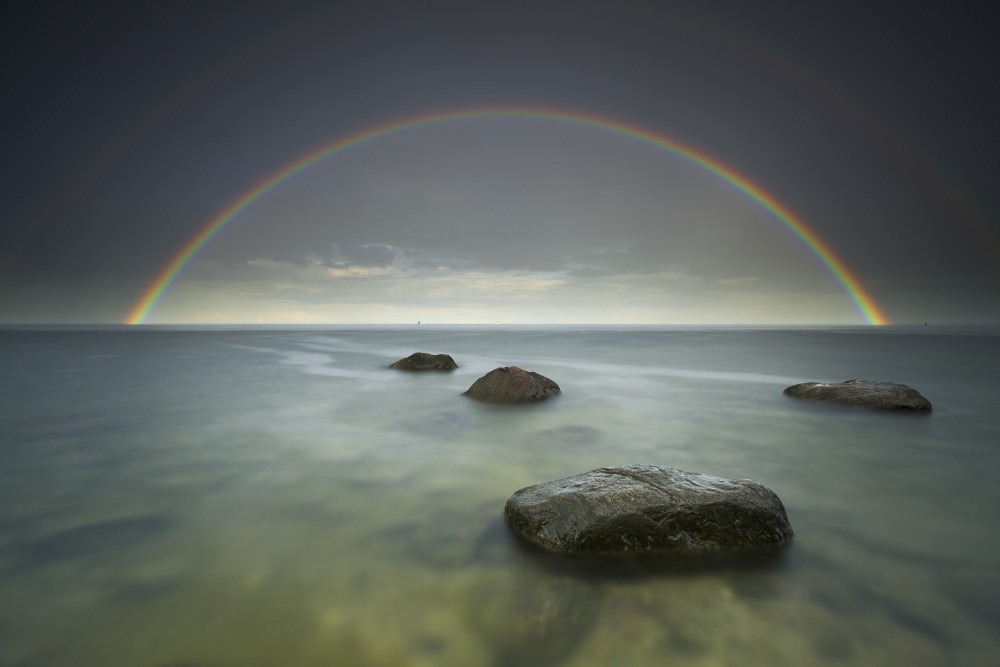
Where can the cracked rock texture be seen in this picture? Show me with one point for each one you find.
(648, 509)
(862, 394)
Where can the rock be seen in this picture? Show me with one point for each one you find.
(456, 537)
(648, 510)
(512, 385)
(862, 394)
(422, 361)
(533, 619)
(99, 539)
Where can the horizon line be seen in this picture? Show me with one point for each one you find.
(849, 282)
(151, 325)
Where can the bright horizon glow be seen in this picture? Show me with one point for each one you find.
(848, 281)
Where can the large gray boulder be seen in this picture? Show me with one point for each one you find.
(422, 361)
(510, 384)
(648, 510)
(862, 394)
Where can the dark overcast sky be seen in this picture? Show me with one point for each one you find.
(126, 127)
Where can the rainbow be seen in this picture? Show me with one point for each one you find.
(838, 269)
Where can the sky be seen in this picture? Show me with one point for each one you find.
(517, 162)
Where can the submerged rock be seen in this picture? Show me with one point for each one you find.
(510, 384)
(98, 539)
(648, 510)
(87, 543)
(533, 619)
(422, 361)
(862, 394)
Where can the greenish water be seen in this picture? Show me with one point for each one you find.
(263, 497)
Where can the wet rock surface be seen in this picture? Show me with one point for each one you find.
(863, 394)
(422, 361)
(511, 384)
(648, 510)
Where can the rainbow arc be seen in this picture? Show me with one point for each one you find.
(848, 281)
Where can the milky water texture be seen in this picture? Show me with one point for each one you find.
(278, 497)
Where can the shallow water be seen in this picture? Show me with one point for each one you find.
(223, 497)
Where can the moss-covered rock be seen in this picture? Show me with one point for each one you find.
(648, 510)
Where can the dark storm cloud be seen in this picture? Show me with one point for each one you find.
(128, 127)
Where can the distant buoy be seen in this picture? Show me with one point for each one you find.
(497, 324)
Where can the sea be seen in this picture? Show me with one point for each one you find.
(276, 496)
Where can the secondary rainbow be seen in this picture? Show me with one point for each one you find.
(838, 269)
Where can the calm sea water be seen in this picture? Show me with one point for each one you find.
(220, 497)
